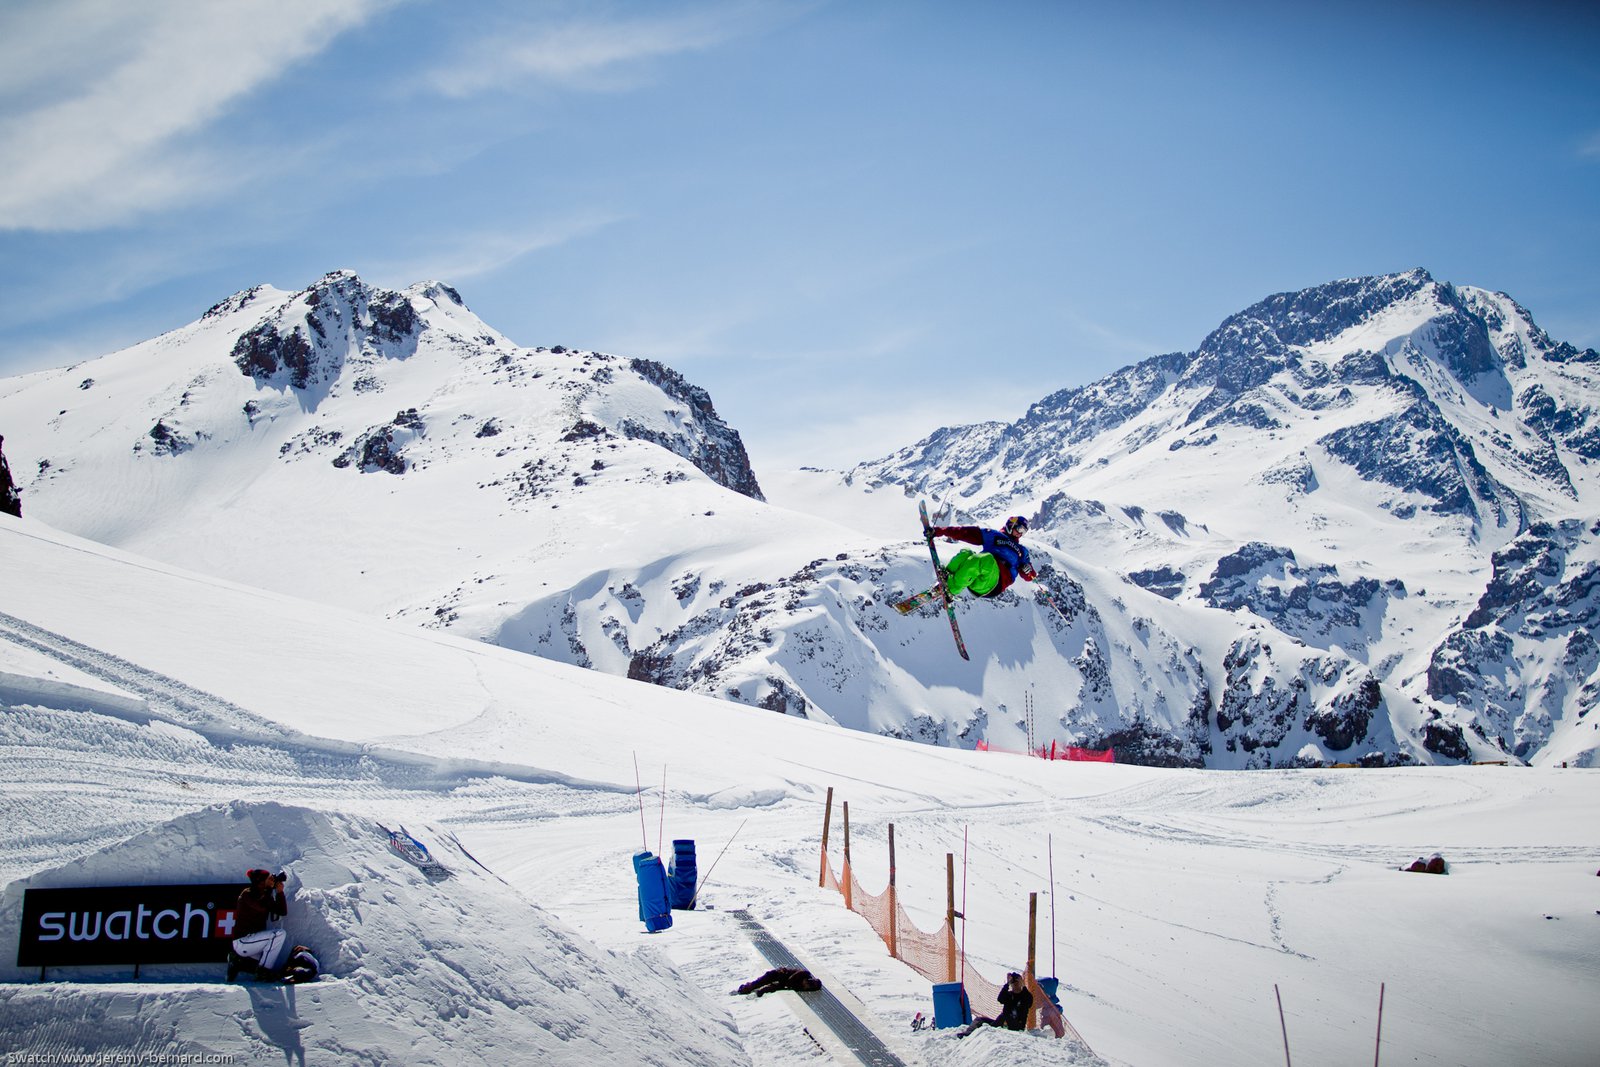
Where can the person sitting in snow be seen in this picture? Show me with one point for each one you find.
(796, 978)
(988, 572)
(302, 966)
(255, 939)
(1015, 1000)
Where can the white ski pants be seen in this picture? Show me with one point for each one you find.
(266, 947)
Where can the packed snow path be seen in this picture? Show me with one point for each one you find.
(857, 1036)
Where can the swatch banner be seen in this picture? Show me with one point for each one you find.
(127, 924)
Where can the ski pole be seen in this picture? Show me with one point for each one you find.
(1048, 599)
(713, 867)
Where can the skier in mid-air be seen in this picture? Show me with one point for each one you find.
(1001, 561)
(985, 573)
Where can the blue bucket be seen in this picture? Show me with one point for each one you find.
(950, 1006)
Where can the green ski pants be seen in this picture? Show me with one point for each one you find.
(977, 571)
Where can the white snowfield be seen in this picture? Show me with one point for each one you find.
(160, 726)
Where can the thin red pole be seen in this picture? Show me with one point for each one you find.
(1377, 1049)
(1050, 851)
(661, 829)
(644, 836)
(1283, 1024)
(963, 907)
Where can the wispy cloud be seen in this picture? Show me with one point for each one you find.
(473, 255)
(107, 133)
(819, 431)
(1590, 147)
(592, 53)
(1099, 336)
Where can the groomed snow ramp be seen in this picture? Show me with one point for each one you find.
(415, 971)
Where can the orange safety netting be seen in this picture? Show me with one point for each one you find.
(932, 955)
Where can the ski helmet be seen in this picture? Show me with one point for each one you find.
(1016, 526)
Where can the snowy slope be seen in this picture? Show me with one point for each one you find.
(1270, 550)
(1179, 898)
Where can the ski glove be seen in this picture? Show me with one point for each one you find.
(1027, 572)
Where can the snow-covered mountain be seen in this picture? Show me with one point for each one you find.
(1391, 481)
(1270, 550)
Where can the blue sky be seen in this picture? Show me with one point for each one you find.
(852, 222)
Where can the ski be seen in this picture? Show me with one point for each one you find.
(915, 601)
(940, 589)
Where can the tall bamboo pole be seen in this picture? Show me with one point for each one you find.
(894, 912)
(849, 901)
(827, 817)
(950, 914)
(1033, 934)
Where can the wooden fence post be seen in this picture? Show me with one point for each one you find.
(950, 916)
(1033, 932)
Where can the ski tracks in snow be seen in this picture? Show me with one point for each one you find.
(191, 748)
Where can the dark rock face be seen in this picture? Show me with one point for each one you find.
(716, 450)
(265, 351)
(1345, 719)
(1445, 739)
(1148, 745)
(1418, 451)
(1310, 603)
(1540, 609)
(169, 442)
(1256, 711)
(308, 343)
(1163, 581)
(382, 447)
(10, 495)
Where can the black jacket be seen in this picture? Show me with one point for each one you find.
(1014, 1005)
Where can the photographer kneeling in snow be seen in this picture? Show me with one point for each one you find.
(1015, 1000)
(256, 941)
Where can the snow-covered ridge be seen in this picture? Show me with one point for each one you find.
(1271, 548)
(1381, 437)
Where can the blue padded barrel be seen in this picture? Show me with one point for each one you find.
(950, 1006)
(682, 875)
(653, 910)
